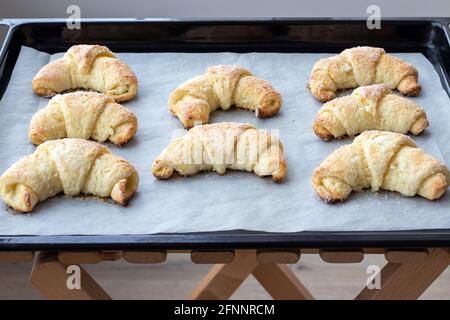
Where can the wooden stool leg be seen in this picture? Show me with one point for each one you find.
(280, 282)
(50, 278)
(224, 279)
(408, 280)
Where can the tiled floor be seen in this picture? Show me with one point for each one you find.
(178, 276)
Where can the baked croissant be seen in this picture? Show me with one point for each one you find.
(87, 67)
(83, 115)
(72, 166)
(221, 146)
(380, 160)
(362, 66)
(221, 87)
(369, 108)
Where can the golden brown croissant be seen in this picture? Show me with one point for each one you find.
(71, 166)
(83, 115)
(362, 66)
(369, 108)
(221, 87)
(87, 67)
(222, 146)
(380, 160)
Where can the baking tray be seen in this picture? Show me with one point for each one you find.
(430, 37)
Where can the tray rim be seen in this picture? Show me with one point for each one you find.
(236, 238)
(239, 239)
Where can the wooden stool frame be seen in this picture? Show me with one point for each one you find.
(407, 274)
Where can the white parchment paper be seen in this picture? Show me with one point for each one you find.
(237, 200)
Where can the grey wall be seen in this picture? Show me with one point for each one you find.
(223, 8)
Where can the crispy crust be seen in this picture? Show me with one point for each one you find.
(330, 195)
(76, 71)
(362, 66)
(83, 115)
(380, 160)
(280, 174)
(125, 132)
(420, 125)
(22, 198)
(71, 166)
(212, 137)
(221, 87)
(371, 107)
(434, 187)
(161, 171)
(409, 85)
(320, 130)
(125, 189)
(43, 92)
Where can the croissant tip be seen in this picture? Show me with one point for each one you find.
(434, 187)
(280, 174)
(325, 97)
(124, 190)
(326, 198)
(278, 179)
(160, 171)
(124, 98)
(413, 93)
(419, 126)
(28, 202)
(46, 93)
(20, 198)
(322, 132)
(123, 138)
(329, 194)
(262, 113)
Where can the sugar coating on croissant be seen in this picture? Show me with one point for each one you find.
(380, 160)
(83, 115)
(371, 107)
(71, 166)
(88, 67)
(221, 87)
(362, 66)
(222, 146)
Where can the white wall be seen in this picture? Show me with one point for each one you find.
(223, 8)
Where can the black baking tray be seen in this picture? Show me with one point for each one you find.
(429, 36)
